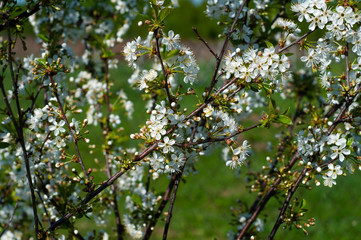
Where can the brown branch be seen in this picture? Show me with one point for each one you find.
(159, 211)
(349, 100)
(205, 42)
(286, 203)
(106, 184)
(347, 65)
(267, 196)
(10, 220)
(165, 73)
(19, 130)
(223, 50)
(176, 184)
(295, 42)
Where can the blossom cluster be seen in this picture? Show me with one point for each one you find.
(252, 64)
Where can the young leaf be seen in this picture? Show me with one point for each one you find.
(283, 119)
(172, 53)
(164, 13)
(269, 44)
(272, 106)
(137, 199)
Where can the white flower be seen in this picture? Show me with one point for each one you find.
(340, 151)
(239, 155)
(114, 120)
(157, 162)
(310, 59)
(333, 138)
(208, 110)
(334, 171)
(171, 41)
(177, 162)
(167, 144)
(243, 150)
(59, 141)
(328, 181)
(130, 52)
(57, 127)
(159, 2)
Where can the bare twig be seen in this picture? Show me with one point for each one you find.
(205, 43)
(347, 65)
(165, 73)
(286, 203)
(265, 199)
(186, 144)
(176, 184)
(295, 42)
(19, 129)
(10, 220)
(160, 209)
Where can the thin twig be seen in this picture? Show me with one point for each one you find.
(159, 211)
(167, 223)
(10, 220)
(19, 130)
(223, 50)
(186, 144)
(347, 65)
(295, 42)
(165, 73)
(267, 196)
(286, 203)
(205, 42)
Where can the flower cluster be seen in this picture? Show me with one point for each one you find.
(252, 64)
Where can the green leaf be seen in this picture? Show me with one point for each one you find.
(254, 87)
(303, 204)
(164, 13)
(41, 61)
(43, 37)
(107, 54)
(172, 53)
(283, 119)
(272, 106)
(4, 145)
(137, 199)
(349, 142)
(269, 44)
(286, 111)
